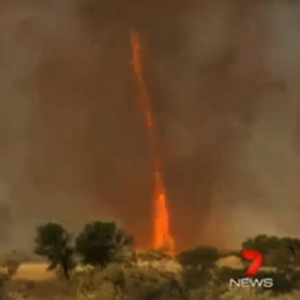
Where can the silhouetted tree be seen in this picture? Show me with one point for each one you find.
(100, 242)
(279, 252)
(204, 256)
(54, 243)
(263, 243)
(278, 258)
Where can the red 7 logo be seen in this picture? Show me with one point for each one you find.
(257, 260)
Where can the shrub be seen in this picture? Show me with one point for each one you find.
(152, 255)
(281, 283)
(193, 278)
(224, 274)
(204, 256)
(245, 294)
(279, 258)
(210, 292)
(114, 273)
(108, 291)
(149, 283)
(12, 267)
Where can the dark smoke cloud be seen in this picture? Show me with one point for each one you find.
(230, 120)
(223, 78)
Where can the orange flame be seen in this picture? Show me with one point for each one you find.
(161, 234)
(137, 67)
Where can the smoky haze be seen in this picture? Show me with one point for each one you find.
(223, 78)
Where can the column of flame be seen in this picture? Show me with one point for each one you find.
(161, 234)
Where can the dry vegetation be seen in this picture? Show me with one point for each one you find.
(144, 280)
(200, 273)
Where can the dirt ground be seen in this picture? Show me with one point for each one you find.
(34, 271)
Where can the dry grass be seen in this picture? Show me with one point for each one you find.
(34, 282)
(38, 271)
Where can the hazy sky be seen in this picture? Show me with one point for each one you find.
(223, 77)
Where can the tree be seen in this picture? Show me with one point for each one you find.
(100, 242)
(263, 243)
(277, 251)
(204, 256)
(54, 243)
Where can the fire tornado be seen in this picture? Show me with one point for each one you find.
(162, 238)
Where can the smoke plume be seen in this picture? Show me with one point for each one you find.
(223, 78)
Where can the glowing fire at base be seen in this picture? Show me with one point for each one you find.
(162, 238)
